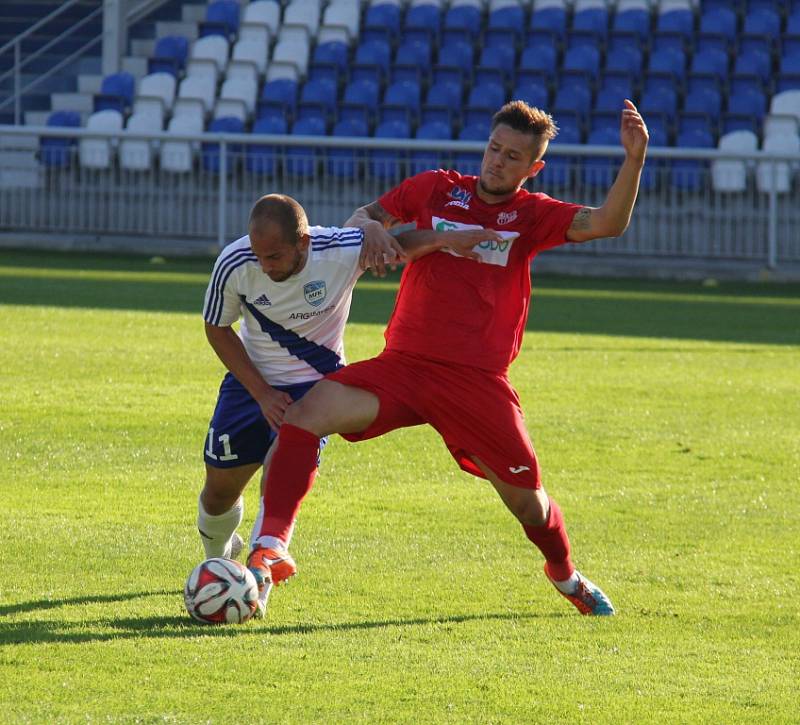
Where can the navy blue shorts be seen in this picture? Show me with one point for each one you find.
(239, 434)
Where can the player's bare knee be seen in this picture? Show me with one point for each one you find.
(531, 510)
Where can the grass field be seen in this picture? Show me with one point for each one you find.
(667, 420)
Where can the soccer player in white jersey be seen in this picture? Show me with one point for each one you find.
(291, 285)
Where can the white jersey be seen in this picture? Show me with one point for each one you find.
(292, 330)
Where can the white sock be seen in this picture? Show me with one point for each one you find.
(568, 586)
(216, 531)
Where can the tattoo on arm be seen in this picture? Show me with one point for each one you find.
(581, 221)
(378, 213)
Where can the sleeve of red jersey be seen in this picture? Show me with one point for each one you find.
(551, 220)
(406, 199)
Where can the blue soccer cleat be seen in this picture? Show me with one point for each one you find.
(587, 598)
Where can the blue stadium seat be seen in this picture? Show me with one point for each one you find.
(558, 169)
(302, 160)
(321, 94)
(582, 58)
(210, 151)
(384, 15)
(624, 59)
(343, 163)
(359, 101)
(486, 97)
(632, 20)
(468, 162)
(594, 19)
(746, 82)
(659, 99)
(600, 171)
(690, 121)
(616, 83)
(690, 174)
(719, 20)
(169, 55)
(538, 58)
(423, 17)
(388, 164)
(116, 93)
(676, 21)
(495, 62)
(333, 52)
(463, 17)
(713, 40)
(445, 93)
(754, 62)
(57, 152)
(668, 61)
(762, 21)
(457, 54)
(533, 94)
(374, 53)
(573, 98)
(424, 160)
(222, 18)
(413, 52)
(710, 60)
(605, 119)
(402, 100)
(611, 99)
(264, 159)
(704, 100)
(652, 170)
(793, 22)
(550, 18)
(748, 101)
(278, 96)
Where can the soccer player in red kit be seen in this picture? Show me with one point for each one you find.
(457, 325)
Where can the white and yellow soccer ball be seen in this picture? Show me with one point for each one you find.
(221, 591)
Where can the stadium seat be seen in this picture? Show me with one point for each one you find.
(463, 18)
(169, 55)
(506, 22)
(263, 13)
(583, 58)
(748, 101)
(321, 94)
(762, 21)
(730, 175)
(427, 17)
(374, 53)
(457, 54)
(178, 156)
(616, 84)
(625, 60)
(689, 174)
(468, 162)
(632, 20)
(680, 21)
(594, 19)
(401, 101)
(237, 98)
(209, 57)
(156, 94)
(720, 20)
(777, 176)
(571, 97)
(558, 170)
(388, 164)
(278, 97)
(362, 95)
(195, 96)
(384, 17)
(343, 13)
(292, 50)
(343, 163)
(252, 52)
(302, 161)
(659, 99)
(553, 19)
(97, 153)
(333, 53)
(424, 160)
(669, 61)
(116, 93)
(496, 64)
(211, 152)
(600, 171)
(222, 18)
(533, 94)
(137, 154)
(262, 158)
(305, 13)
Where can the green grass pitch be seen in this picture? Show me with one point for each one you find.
(667, 420)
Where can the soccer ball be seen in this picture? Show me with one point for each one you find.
(221, 591)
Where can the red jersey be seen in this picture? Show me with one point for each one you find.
(455, 309)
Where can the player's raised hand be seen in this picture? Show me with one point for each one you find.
(378, 249)
(463, 241)
(633, 132)
(273, 405)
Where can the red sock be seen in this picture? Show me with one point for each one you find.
(553, 542)
(290, 477)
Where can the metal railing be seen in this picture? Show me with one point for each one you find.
(678, 214)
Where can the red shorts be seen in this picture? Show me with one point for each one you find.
(477, 413)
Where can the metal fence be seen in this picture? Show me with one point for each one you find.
(201, 187)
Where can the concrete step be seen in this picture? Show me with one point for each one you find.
(89, 83)
(193, 13)
(36, 118)
(83, 102)
(136, 66)
(142, 48)
(186, 29)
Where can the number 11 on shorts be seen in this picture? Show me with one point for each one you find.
(225, 440)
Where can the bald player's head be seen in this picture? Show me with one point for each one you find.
(278, 230)
(281, 211)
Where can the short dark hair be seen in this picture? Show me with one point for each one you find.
(527, 119)
(281, 210)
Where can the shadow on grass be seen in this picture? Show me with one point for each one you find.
(40, 604)
(729, 312)
(36, 632)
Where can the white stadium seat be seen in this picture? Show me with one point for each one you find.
(178, 156)
(780, 125)
(777, 175)
(195, 90)
(786, 103)
(156, 94)
(209, 55)
(237, 93)
(251, 51)
(293, 51)
(278, 71)
(730, 175)
(96, 153)
(266, 13)
(137, 154)
(305, 13)
(344, 13)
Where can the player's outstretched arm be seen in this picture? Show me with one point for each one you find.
(231, 352)
(379, 247)
(612, 218)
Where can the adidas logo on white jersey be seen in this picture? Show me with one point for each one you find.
(263, 301)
